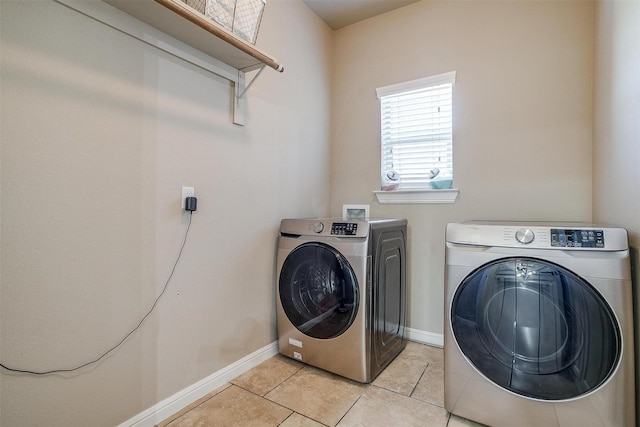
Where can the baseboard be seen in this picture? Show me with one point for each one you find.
(172, 404)
(169, 406)
(424, 337)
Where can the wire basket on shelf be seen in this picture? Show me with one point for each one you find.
(241, 17)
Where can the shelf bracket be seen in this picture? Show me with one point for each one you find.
(238, 105)
(251, 82)
(144, 20)
(240, 90)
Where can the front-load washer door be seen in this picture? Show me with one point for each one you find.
(535, 329)
(318, 290)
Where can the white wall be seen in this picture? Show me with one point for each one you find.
(522, 118)
(616, 175)
(99, 133)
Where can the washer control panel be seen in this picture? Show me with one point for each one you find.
(576, 238)
(344, 228)
(559, 236)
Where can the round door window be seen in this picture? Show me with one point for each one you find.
(536, 329)
(318, 291)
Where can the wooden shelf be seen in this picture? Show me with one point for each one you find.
(177, 19)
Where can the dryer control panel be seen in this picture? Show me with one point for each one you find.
(344, 228)
(327, 227)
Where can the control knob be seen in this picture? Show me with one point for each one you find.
(524, 235)
(318, 227)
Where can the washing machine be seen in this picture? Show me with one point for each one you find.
(538, 325)
(341, 293)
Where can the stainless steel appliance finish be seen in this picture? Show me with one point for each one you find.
(539, 324)
(341, 293)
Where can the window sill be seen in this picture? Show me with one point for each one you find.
(417, 196)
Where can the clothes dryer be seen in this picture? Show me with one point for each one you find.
(341, 293)
(539, 325)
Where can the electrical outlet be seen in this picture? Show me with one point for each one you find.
(186, 192)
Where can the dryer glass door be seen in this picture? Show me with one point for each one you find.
(536, 329)
(318, 290)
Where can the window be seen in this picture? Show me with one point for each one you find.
(416, 133)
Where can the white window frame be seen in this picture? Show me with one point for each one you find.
(418, 187)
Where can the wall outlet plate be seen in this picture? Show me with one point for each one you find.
(186, 192)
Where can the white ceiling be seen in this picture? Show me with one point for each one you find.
(340, 13)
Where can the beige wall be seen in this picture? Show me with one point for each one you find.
(522, 118)
(99, 133)
(616, 171)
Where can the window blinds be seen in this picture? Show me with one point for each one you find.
(416, 130)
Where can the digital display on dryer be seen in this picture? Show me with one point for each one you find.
(344, 228)
(577, 238)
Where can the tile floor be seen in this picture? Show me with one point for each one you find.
(287, 393)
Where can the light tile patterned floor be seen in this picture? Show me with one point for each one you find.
(287, 393)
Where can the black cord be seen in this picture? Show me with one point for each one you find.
(53, 371)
